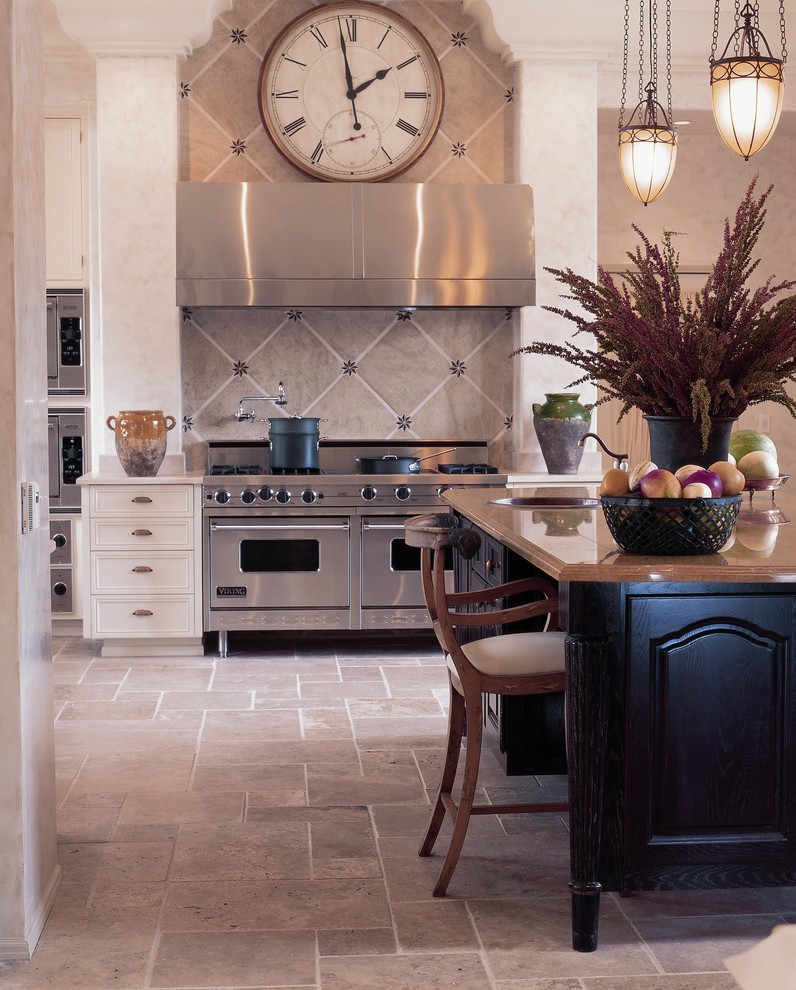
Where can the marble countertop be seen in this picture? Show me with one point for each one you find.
(576, 545)
(118, 477)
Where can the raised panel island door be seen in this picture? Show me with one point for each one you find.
(711, 726)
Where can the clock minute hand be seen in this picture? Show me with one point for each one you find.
(379, 75)
(349, 79)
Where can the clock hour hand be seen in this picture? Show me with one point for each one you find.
(379, 75)
(349, 79)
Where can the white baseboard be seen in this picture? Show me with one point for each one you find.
(23, 947)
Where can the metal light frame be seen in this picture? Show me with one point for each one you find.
(747, 87)
(648, 142)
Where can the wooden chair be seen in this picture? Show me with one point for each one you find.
(523, 663)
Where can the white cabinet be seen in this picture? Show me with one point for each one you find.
(145, 570)
(63, 201)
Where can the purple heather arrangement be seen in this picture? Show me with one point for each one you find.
(713, 354)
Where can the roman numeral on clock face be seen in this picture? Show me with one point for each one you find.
(289, 94)
(409, 128)
(351, 28)
(317, 153)
(416, 96)
(316, 33)
(295, 126)
(403, 65)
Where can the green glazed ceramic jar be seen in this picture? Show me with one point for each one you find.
(560, 422)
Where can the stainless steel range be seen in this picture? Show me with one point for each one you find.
(325, 550)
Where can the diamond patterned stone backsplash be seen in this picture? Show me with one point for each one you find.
(369, 374)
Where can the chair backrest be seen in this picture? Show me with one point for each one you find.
(433, 533)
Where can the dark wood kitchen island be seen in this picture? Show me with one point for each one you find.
(681, 701)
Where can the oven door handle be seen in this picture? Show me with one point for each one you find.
(221, 528)
(369, 525)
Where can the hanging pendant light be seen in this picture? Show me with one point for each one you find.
(747, 87)
(648, 142)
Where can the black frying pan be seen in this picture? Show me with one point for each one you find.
(393, 464)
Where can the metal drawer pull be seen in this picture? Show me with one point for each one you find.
(143, 611)
(141, 532)
(367, 525)
(142, 569)
(141, 498)
(216, 528)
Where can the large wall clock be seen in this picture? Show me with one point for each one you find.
(351, 92)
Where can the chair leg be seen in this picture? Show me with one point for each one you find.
(472, 758)
(452, 751)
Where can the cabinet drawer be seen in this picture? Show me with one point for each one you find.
(132, 573)
(142, 615)
(142, 534)
(141, 501)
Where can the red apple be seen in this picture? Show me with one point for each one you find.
(660, 484)
(709, 478)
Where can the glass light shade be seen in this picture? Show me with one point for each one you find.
(746, 94)
(646, 159)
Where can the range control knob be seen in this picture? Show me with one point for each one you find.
(368, 493)
(59, 588)
(59, 540)
(247, 496)
(283, 496)
(403, 493)
(265, 494)
(308, 496)
(222, 496)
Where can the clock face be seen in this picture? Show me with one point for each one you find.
(351, 92)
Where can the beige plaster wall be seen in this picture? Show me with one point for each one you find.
(28, 869)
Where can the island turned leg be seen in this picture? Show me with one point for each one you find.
(587, 661)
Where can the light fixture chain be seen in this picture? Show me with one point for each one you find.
(715, 43)
(624, 65)
(782, 30)
(669, 58)
(641, 51)
(737, 25)
(654, 42)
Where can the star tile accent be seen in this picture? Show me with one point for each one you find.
(187, 313)
(294, 315)
(185, 90)
(510, 95)
(238, 147)
(459, 150)
(403, 315)
(237, 36)
(404, 423)
(239, 369)
(458, 368)
(187, 424)
(349, 368)
(508, 422)
(459, 39)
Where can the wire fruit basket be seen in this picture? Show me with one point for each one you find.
(671, 527)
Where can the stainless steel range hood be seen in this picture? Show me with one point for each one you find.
(354, 245)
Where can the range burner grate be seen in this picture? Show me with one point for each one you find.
(467, 469)
(295, 471)
(234, 469)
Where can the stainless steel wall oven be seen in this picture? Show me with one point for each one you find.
(68, 456)
(67, 342)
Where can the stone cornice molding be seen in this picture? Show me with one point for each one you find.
(555, 53)
(139, 27)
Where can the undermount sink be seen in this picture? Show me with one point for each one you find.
(547, 502)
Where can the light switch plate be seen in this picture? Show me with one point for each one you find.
(31, 506)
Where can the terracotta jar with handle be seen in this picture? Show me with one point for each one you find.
(141, 436)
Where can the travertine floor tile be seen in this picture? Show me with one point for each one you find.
(241, 852)
(240, 959)
(691, 981)
(158, 807)
(276, 904)
(683, 945)
(207, 700)
(230, 727)
(465, 971)
(438, 926)
(269, 786)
